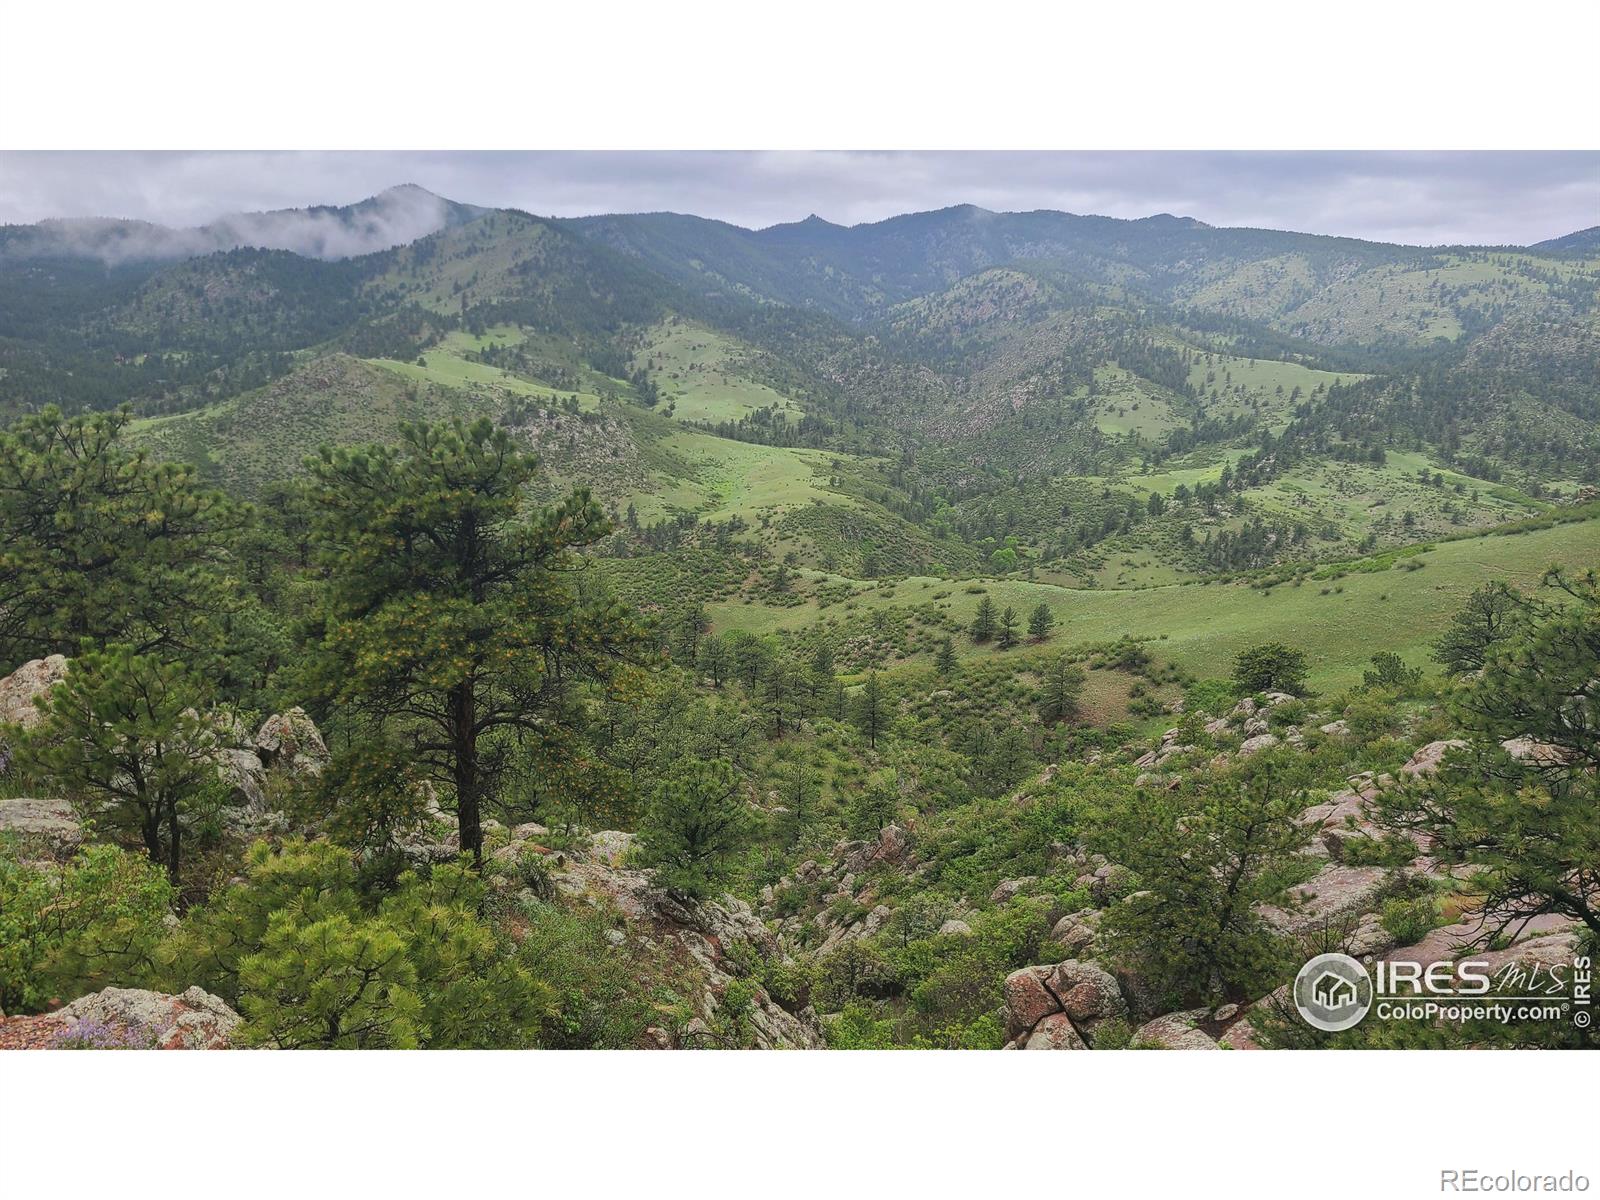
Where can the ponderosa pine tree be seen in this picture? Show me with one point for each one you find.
(872, 709)
(122, 733)
(695, 823)
(944, 661)
(984, 621)
(1201, 865)
(874, 806)
(1040, 622)
(100, 543)
(1490, 615)
(1063, 685)
(1008, 628)
(1270, 667)
(451, 612)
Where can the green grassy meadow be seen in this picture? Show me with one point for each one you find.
(1339, 623)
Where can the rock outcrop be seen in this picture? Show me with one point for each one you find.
(1060, 1006)
(1427, 759)
(290, 741)
(1336, 893)
(43, 828)
(127, 1018)
(22, 687)
(714, 940)
(1175, 1031)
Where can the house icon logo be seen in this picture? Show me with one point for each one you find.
(1333, 992)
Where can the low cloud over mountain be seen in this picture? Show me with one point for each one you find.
(391, 218)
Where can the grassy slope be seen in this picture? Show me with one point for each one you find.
(263, 435)
(1205, 625)
(697, 372)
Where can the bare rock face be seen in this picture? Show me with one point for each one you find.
(243, 775)
(1059, 1007)
(127, 1018)
(46, 827)
(1341, 820)
(1254, 745)
(1369, 937)
(1335, 893)
(1536, 754)
(1027, 1001)
(291, 740)
(1176, 1031)
(1075, 932)
(1549, 938)
(31, 680)
(1055, 1032)
(1087, 993)
(287, 744)
(1427, 759)
(1007, 889)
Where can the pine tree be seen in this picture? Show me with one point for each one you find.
(1201, 864)
(1528, 825)
(874, 806)
(1008, 628)
(1063, 685)
(122, 731)
(1490, 615)
(1040, 622)
(715, 660)
(696, 822)
(822, 661)
(945, 661)
(98, 542)
(984, 622)
(449, 612)
(872, 712)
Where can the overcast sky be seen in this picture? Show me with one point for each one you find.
(1419, 198)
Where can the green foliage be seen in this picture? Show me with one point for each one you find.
(1530, 825)
(313, 961)
(123, 731)
(1063, 686)
(873, 713)
(1409, 920)
(874, 806)
(366, 795)
(696, 822)
(1201, 863)
(1271, 667)
(1390, 671)
(983, 624)
(1215, 696)
(98, 542)
(449, 611)
(89, 923)
(1490, 615)
(604, 996)
(330, 983)
(1040, 622)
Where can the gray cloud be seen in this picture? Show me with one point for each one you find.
(1421, 198)
(392, 218)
